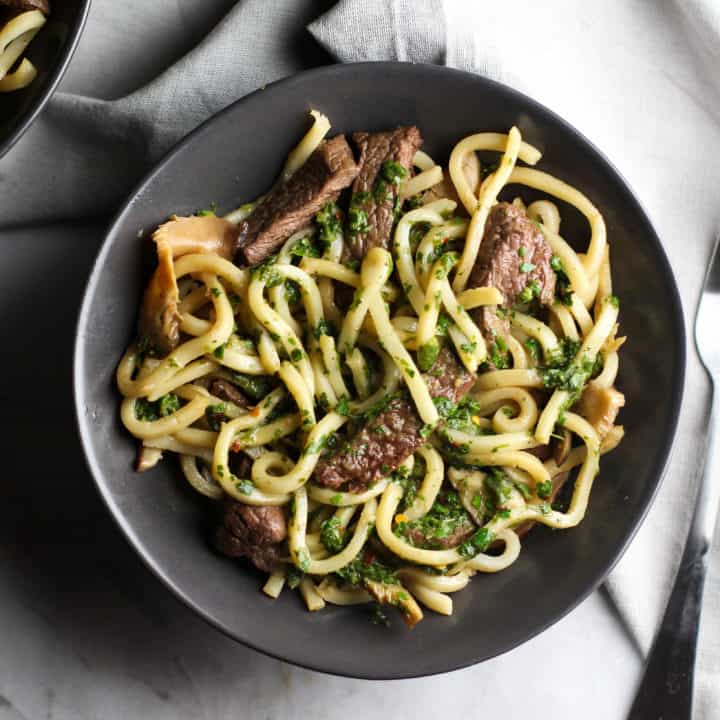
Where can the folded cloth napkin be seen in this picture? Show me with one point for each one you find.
(640, 79)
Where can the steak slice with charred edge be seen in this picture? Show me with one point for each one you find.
(513, 256)
(388, 439)
(253, 531)
(290, 206)
(374, 190)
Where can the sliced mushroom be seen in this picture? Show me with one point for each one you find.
(198, 234)
(147, 458)
(600, 407)
(159, 323)
(561, 447)
(397, 596)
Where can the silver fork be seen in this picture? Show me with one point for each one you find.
(666, 689)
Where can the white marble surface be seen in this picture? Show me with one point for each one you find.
(87, 632)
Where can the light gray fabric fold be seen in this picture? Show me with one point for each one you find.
(83, 155)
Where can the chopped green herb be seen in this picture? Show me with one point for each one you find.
(478, 543)
(215, 415)
(343, 406)
(329, 221)
(150, 411)
(393, 172)
(533, 347)
(294, 576)
(292, 292)
(428, 354)
(244, 486)
(544, 489)
(212, 210)
(322, 328)
(332, 535)
(255, 386)
(305, 247)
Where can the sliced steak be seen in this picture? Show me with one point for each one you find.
(376, 189)
(459, 535)
(254, 532)
(292, 204)
(42, 5)
(384, 442)
(513, 255)
(225, 390)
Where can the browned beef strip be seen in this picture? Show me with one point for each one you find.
(498, 265)
(381, 446)
(41, 5)
(291, 205)
(227, 391)
(558, 483)
(398, 146)
(459, 535)
(240, 464)
(254, 532)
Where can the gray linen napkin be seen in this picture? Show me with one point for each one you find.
(597, 69)
(83, 155)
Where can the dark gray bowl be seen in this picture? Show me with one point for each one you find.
(236, 156)
(50, 51)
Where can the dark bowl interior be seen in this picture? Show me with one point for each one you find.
(50, 52)
(235, 157)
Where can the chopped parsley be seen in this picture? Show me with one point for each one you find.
(211, 211)
(343, 406)
(215, 415)
(544, 489)
(322, 328)
(151, 411)
(478, 543)
(329, 222)
(563, 290)
(255, 386)
(266, 272)
(393, 172)
(292, 292)
(294, 576)
(244, 486)
(305, 247)
(366, 567)
(332, 535)
(533, 347)
(428, 354)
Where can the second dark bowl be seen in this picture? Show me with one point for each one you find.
(50, 51)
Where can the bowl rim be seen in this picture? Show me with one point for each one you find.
(663, 453)
(54, 78)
